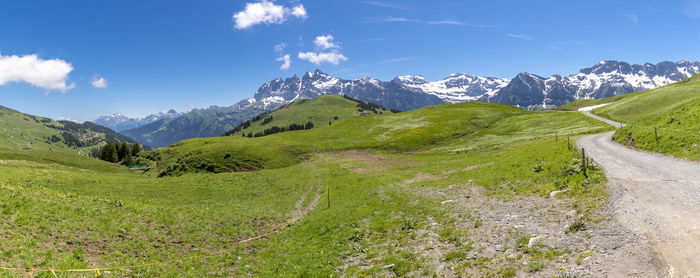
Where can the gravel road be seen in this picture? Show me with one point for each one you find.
(654, 197)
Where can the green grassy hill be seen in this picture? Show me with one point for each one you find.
(412, 131)
(671, 112)
(19, 131)
(33, 138)
(676, 132)
(651, 103)
(407, 131)
(320, 111)
(388, 177)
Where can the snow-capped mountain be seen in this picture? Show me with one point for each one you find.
(119, 122)
(392, 94)
(458, 87)
(606, 79)
(408, 92)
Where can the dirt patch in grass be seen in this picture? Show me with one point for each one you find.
(369, 162)
(449, 172)
(483, 236)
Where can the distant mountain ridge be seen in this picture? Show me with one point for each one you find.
(22, 131)
(606, 79)
(408, 92)
(119, 122)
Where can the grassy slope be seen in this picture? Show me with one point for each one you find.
(66, 218)
(408, 131)
(643, 96)
(650, 103)
(575, 105)
(678, 132)
(672, 109)
(319, 111)
(18, 130)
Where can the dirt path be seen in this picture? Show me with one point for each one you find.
(657, 198)
(300, 210)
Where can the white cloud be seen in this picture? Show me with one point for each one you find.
(299, 12)
(325, 57)
(287, 62)
(519, 36)
(267, 13)
(99, 82)
(64, 118)
(325, 42)
(46, 74)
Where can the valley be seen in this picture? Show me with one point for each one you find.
(607, 79)
(382, 138)
(385, 198)
(447, 190)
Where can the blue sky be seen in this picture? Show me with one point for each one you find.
(149, 56)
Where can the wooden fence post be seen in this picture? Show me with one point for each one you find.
(583, 162)
(656, 136)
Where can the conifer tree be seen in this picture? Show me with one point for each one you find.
(122, 150)
(136, 149)
(129, 159)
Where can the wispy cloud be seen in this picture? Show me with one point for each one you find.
(389, 19)
(429, 22)
(279, 48)
(692, 10)
(388, 5)
(519, 36)
(397, 60)
(454, 22)
(632, 17)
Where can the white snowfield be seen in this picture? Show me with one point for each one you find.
(458, 87)
(589, 108)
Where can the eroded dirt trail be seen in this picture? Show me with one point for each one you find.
(658, 198)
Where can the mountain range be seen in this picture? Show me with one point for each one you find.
(526, 90)
(119, 122)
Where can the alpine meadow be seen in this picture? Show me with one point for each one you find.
(370, 163)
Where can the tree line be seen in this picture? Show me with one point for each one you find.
(363, 105)
(118, 153)
(277, 129)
